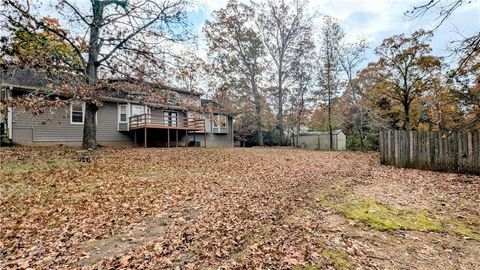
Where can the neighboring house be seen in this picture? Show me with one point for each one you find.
(126, 118)
(321, 140)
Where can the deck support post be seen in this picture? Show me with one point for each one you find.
(194, 139)
(176, 137)
(186, 138)
(145, 139)
(168, 137)
(204, 135)
(135, 136)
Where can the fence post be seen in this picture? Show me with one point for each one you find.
(382, 148)
(410, 145)
(458, 152)
(470, 151)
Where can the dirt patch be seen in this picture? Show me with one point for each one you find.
(258, 209)
(137, 235)
(96, 250)
(392, 233)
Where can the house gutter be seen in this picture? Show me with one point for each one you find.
(103, 98)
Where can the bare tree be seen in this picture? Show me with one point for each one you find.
(329, 66)
(238, 51)
(301, 92)
(466, 48)
(120, 36)
(188, 71)
(351, 57)
(285, 27)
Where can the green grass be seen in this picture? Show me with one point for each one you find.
(20, 167)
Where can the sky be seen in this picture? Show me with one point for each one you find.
(375, 20)
(372, 20)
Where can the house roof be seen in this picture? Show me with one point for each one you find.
(116, 90)
(30, 78)
(158, 85)
(211, 102)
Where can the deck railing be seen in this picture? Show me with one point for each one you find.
(164, 121)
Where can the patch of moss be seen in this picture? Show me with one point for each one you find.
(384, 217)
(336, 258)
(461, 228)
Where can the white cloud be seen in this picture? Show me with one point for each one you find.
(373, 20)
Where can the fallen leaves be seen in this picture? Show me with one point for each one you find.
(193, 208)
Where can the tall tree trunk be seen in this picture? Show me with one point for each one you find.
(361, 131)
(330, 131)
(406, 109)
(280, 109)
(258, 110)
(259, 134)
(298, 134)
(90, 126)
(329, 96)
(258, 117)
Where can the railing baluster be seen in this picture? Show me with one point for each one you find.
(140, 120)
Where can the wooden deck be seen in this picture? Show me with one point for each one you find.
(166, 122)
(170, 122)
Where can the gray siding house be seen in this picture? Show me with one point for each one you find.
(125, 119)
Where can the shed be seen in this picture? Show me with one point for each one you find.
(321, 140)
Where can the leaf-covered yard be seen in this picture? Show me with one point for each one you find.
(231, 208)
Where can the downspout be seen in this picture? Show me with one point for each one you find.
(129, 113)
(230, 119)
(9, 115)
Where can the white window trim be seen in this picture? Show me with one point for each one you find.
(215, 125)
(71, 115)
(126, 112)
(220, 117)
(146, 109)
(83, 115)
(167, 120)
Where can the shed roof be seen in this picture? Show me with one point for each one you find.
(316, 133)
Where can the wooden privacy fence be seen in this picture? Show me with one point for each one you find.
(455, 152)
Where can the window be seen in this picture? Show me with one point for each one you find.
(170, 118)
(223, 121)
(143, 113)
(123, 113)
(219, 121)
(215, 120)
(138, 110)
(77, 112)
